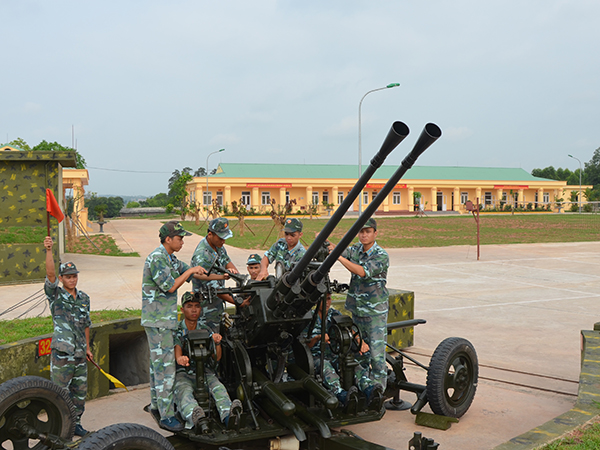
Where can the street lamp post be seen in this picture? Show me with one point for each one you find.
(391, 85)
(580, 170)
(218, 151)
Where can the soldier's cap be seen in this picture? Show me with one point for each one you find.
(172, 228)
(67, 268)
(190, 297)
(371, 223)
(254, 258)
(292, 225)
(220, 227)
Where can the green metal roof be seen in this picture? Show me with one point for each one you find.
(295, 171)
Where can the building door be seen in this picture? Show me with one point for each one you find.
(440, 201)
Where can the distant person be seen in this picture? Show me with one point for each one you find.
(208, 250)
(163, 275)
(253, 265)
(185, 379)
(70, 309)
(367, 300)
(288, 250)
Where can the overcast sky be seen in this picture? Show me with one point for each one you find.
(156, 86)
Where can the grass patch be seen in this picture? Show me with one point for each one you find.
(586, 437)
(403, 232)
(105, 243)
(22, 235)
(16, 329)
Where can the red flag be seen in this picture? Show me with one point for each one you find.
(52, 206)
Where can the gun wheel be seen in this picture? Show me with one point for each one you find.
(125, 436)
(452, 377)
(31, 406)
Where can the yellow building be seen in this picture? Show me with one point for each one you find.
(431, 188)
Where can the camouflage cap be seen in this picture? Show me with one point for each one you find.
(371, 223)
(254, 259)
(67, 268)
(172, 228)
(190, 297)
(220, 227)
(292, 225)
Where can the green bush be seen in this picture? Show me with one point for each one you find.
(588, 207)
(133, 205)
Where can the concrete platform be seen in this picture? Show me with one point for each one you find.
(522, 306)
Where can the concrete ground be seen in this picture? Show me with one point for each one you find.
(522, 307)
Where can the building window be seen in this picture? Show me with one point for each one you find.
(266, 198)
(207, 198)
(546, 197)
(365, 198)
(488, 198)
(504, 196)
(373, 195)
(220, 198)
(325, 197)
(464, 197)
(192, 196)
(315, 198)
(340, 197)
(396, 198)
(287, 197)
(246, 198)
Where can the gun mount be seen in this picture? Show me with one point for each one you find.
(267, 364)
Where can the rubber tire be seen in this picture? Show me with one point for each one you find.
(453, 353)
(44, 394)
(125, 436)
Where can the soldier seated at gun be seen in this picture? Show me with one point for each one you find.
(185, 378)
(287, 250)
(331, 377)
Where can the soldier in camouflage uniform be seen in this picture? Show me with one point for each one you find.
(367, 300)
(163, 275)
(209, 249)
(331, 378)
(70, 310)
(185, 379)
(287, 250)
(253, 265)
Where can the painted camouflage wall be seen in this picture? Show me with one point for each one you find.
(24, 177)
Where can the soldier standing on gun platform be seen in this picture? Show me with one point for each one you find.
(70, 310)
(208, 250)
(367, 300)
(288, 250)
(163, 275)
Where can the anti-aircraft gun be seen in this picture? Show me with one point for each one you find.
(267, 365)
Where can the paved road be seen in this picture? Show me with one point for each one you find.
(522, 307)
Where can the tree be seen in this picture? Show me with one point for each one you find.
(19, 143)
(548, 172)
(176, 175)
(592, 170)
(200, 172)
(111, 206)
(56, 147)
(177, 193)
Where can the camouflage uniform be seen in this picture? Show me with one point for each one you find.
(204, 256)
(367, 300)
(68, 366)
(279, 252)
(159, 318)
(185, 382)
(331, 378)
